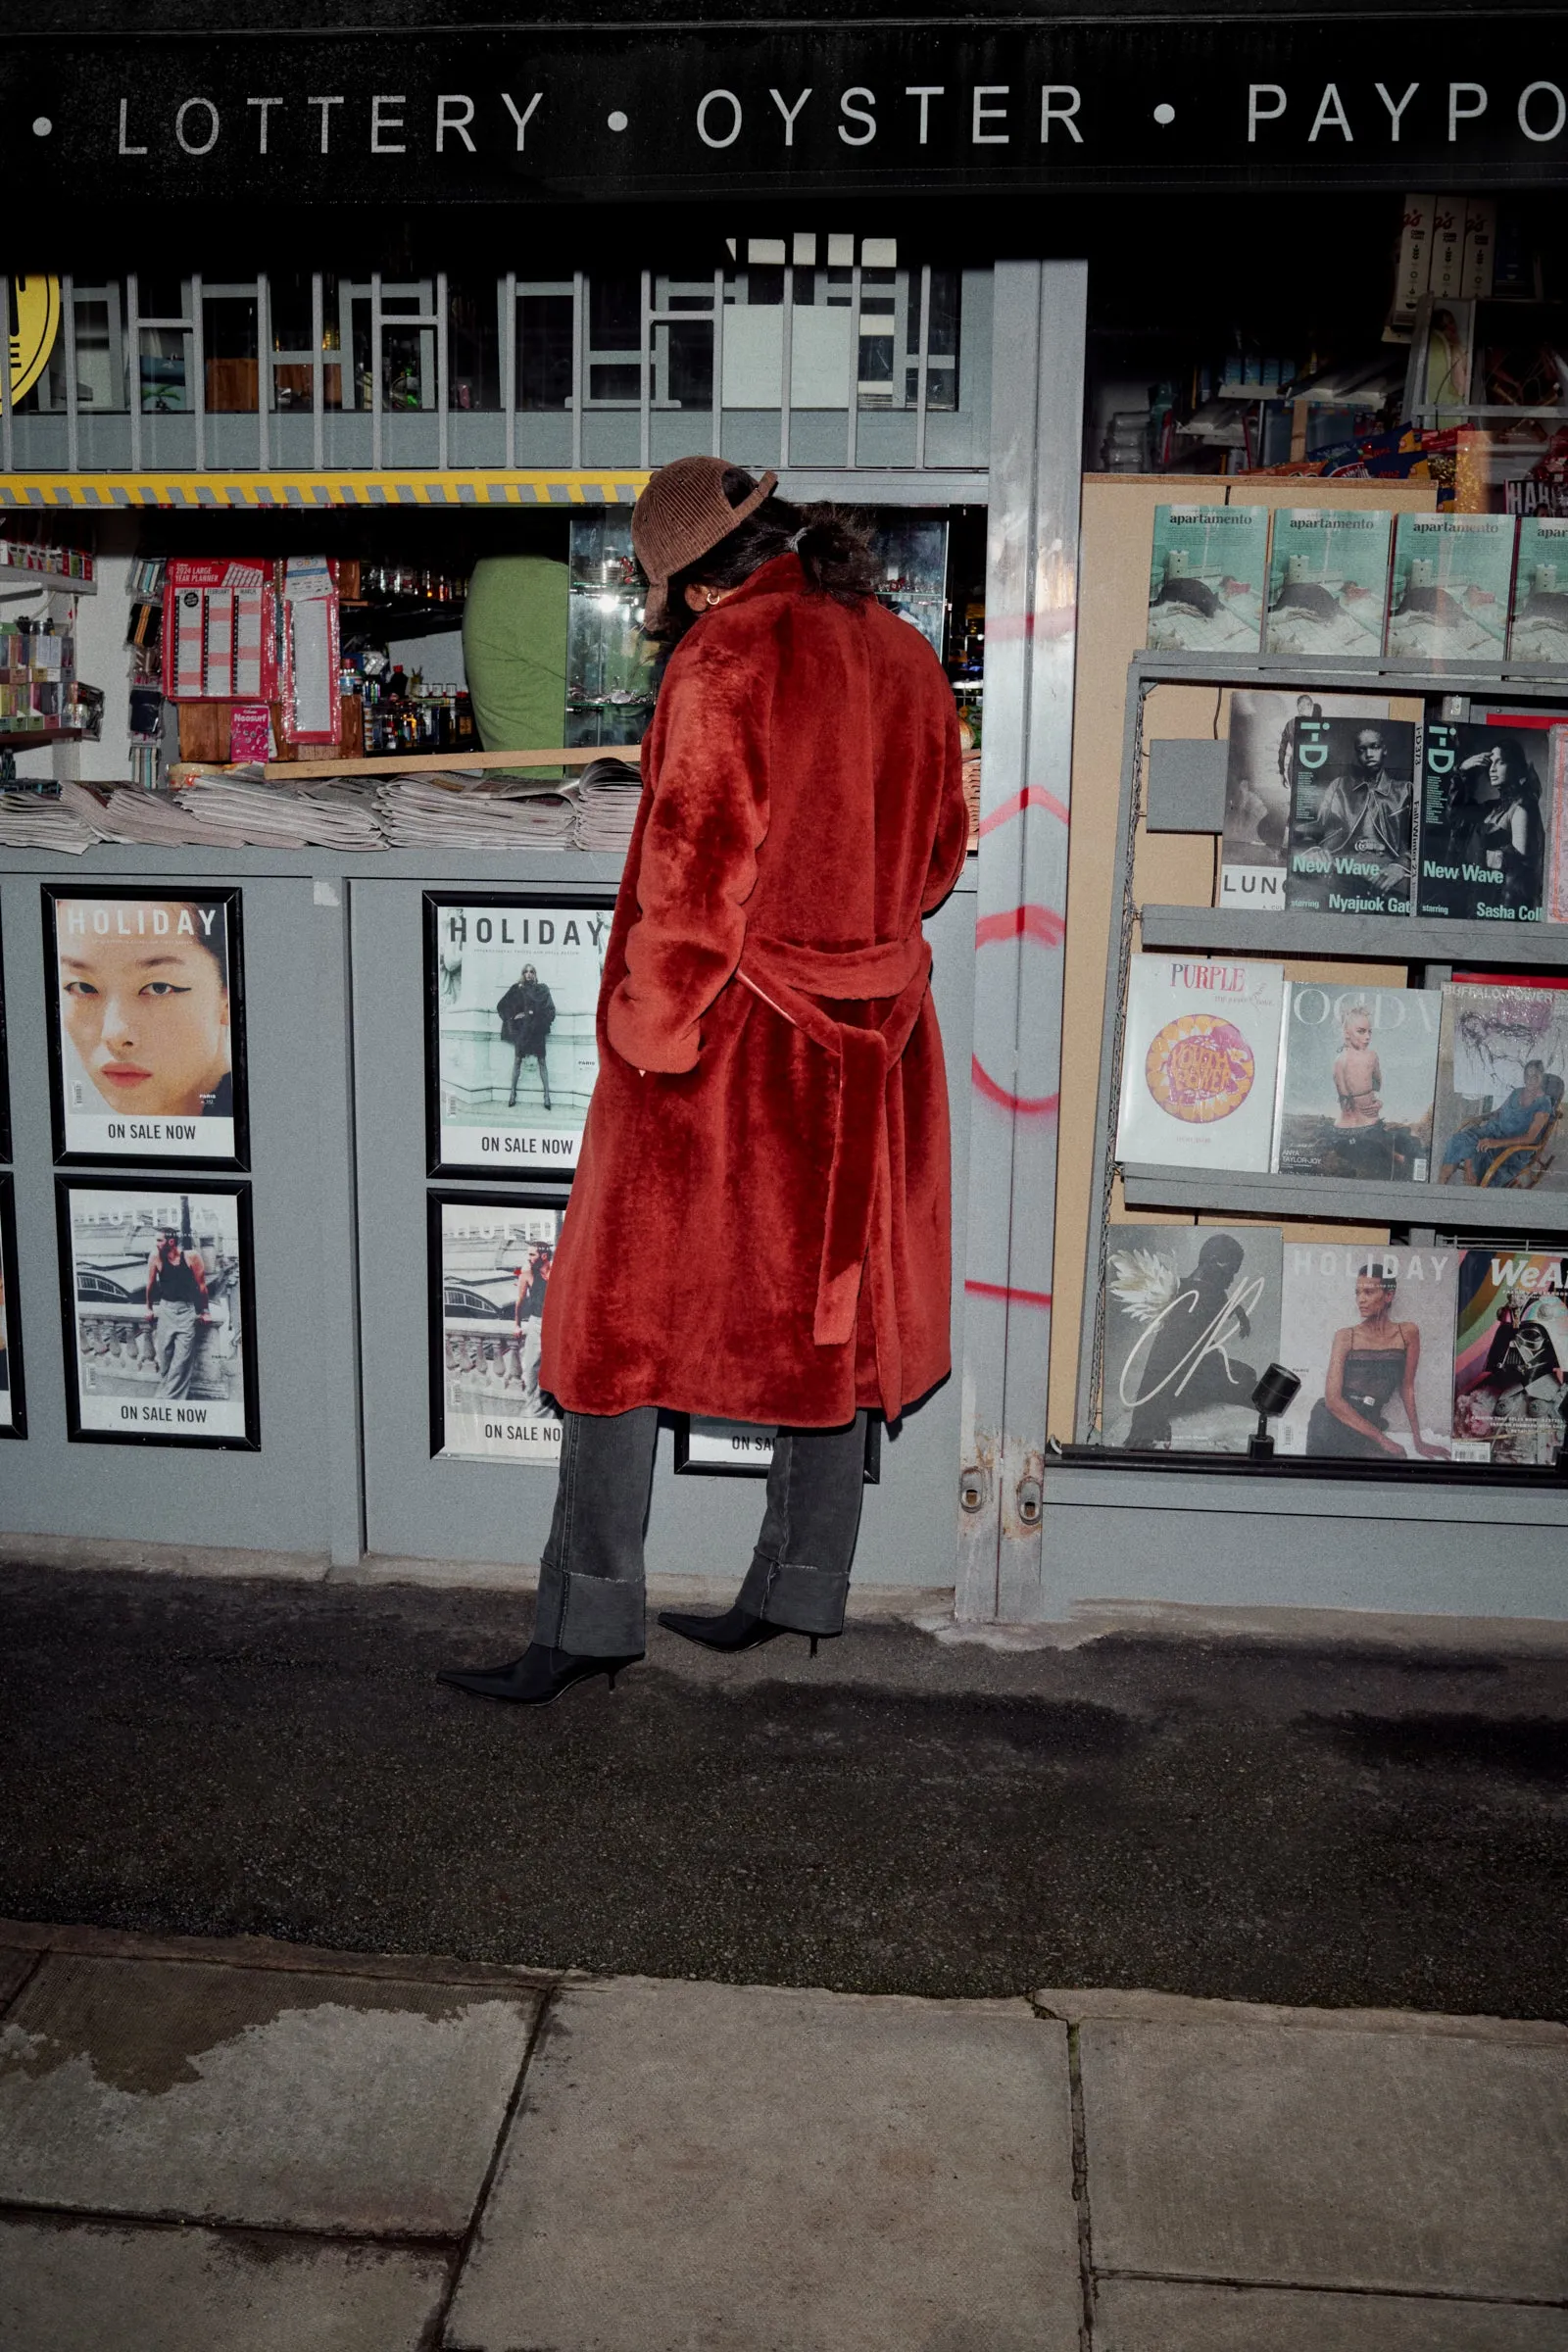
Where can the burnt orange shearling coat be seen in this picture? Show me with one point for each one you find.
(758, 1225)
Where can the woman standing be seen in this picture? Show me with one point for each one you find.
(760, 1220)
(1372, 1362)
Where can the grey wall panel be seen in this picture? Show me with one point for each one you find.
(1220, 1559)
(423, 1508)
(277, 1499)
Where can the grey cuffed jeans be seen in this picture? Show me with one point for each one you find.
(591, 1598)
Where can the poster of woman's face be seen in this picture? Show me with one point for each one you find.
(12, 1417)
(490, 1268)
(146, 1015)
(158, 1313)
(1368, 1329)
(513, 992)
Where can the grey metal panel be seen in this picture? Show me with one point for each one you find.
(885, 489)
(1106, 1486)
(1535, 680)
(1186, 786)
(422, 1507)
(279, 1498)
(1454, 1207)
(1226, 1559)
(1031, 609)
(1386, 938)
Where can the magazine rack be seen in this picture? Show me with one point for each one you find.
(1435, 946)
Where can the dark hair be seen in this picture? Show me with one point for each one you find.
(834, 547)
(1373, 1273)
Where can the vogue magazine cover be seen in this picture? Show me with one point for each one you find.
(491, 1268)
(158, 1313)
(514, 988)
(1357, 1070)
(146, 1026)
(1511, 1358)
(1368, 1330)
(1192, 1317)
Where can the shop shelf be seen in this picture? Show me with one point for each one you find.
(1448, 1207)
(37, 739)
(1370, 938)
(400, 620)
(21, 580)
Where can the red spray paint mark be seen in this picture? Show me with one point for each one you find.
(1023, 922)
(1023, 1106)
(1000, 1289)
(1033, 796)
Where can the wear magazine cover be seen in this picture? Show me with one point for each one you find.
(145, 1024)
(1328, 582)
(1199, 1062)
(515, 987)
(1510, 1358)
(1538, 628)
(1368, 1330)
(1502, 1059)
(1192, 1318)
(493, 1269)
(1485, 796)
(159, 1287)
(1257, 786)
(1208, 578)
(1357, 1070)
(1351, 847)
(1452, 575)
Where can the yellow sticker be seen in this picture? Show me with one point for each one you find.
(34, 324)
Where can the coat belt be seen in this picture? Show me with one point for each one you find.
(859, 1226)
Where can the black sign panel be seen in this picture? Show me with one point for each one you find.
(508, 117)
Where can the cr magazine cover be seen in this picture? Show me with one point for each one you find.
(1192, 1318)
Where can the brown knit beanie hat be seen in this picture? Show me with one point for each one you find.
(680, 515)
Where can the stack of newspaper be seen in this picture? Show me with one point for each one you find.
(438, 809)
(237, 809)
(607, 806)
(72, 823)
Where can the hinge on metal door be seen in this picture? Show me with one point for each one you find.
(1031, 1500)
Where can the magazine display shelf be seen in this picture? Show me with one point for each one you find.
(1216, 1482)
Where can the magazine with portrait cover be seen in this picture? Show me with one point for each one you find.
(1207, 579)
(1257, 786)
(158, 1316)
(491, 1266)
(1486, 801)
(1368, 1331)
(1359, 1068)
(1191, 1321)
(1510, 1358)
(1554, 897)
(1328, 581)
(513, 990)
(146, 1022)
(1352, 845)
(1199, 1055)
(1537, 631)
(1502, 1060)
(1452, 575)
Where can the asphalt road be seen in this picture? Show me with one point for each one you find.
(1304, 1825)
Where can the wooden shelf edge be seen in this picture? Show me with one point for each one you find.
(1452, 1207)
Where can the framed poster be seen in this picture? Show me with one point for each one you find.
(146, 1025)
(511, 989)
(13, 1402)
(490, 1261)
(157, 1297)
(709, 1449)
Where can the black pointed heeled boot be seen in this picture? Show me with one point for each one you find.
(537, 1678)
(737, 1629)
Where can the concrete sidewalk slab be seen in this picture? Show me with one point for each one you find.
(1148, 2316)
(65, 2287)
(279, 2098)
(1309, 2157)
(15, 1970)
(712, 2167)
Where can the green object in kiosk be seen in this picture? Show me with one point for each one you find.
(515, 652)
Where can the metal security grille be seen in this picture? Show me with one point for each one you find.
(814, 351)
